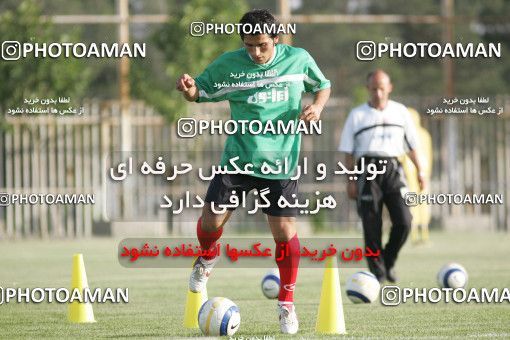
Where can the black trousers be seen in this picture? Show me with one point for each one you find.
(388, 188)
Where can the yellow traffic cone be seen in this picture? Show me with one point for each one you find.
(193, 303)
(80, 312)
(330, 318)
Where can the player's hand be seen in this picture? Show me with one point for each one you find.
(311, 112)
(422, 182)
(352, 190)
(185, 83)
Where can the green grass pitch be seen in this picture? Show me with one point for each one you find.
(157, 296)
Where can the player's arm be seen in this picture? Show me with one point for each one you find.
(318, 84)
(411, 135)
(352, 188)
(346, 146)
(413, 156)
(312, 112)
(186, 85)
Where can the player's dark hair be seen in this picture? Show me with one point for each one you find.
(258, 17)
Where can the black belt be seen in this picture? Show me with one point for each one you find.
(377, 158)
(394, 161)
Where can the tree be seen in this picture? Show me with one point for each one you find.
(43, 77)
(184, 53)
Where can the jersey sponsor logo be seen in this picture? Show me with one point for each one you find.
(271, 96)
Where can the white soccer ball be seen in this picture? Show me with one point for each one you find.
(219, 316)
(452, 275)
(271, 284)
(362, 287)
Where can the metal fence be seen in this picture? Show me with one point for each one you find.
(73, 154)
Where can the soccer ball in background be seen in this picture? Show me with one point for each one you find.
(452, 275)
(271, 284)
(219, 316)
(362, 287)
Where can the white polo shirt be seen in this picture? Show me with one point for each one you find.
(371, 132)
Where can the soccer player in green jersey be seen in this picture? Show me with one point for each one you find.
(262, 81)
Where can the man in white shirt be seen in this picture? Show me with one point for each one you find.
(379, 132)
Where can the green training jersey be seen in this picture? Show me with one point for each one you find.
(268, 95)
